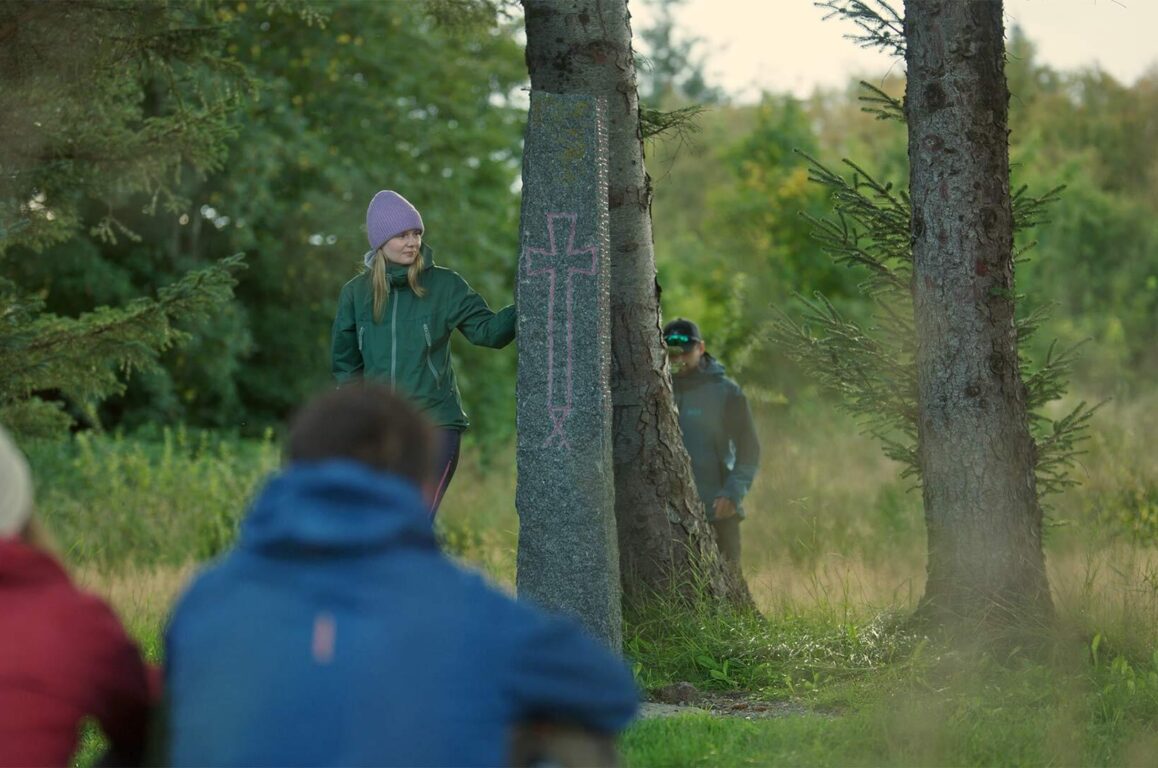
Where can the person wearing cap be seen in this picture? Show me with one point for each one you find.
(395, 321)
(337, 633)
(64, 655)
(718, 432)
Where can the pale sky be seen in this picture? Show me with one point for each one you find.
(784, 45)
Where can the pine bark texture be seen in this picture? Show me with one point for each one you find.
(986, 567)
(665, 543)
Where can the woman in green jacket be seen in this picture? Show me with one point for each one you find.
(395, 320)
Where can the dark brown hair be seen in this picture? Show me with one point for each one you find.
(366, 422)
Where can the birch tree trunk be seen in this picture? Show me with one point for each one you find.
(665, 543)
(986, 567)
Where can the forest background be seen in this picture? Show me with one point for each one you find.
(300, 113)
(331, 115)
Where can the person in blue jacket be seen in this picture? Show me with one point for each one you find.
(718, 432)
(337, 634)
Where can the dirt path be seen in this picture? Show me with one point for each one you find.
(685, 699)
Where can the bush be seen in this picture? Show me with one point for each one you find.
(112, 500)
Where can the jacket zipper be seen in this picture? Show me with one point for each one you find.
(393, 338)
(361, 333)
(430, 353)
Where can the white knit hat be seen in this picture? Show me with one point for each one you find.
(15, 488)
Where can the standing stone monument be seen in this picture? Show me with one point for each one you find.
(568, 554)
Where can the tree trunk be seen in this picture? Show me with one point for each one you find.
(986, 567)
(665, 543)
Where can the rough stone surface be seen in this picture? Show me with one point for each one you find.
(676, 693)
(568, 558)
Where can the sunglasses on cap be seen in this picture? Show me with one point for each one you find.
(679, 340)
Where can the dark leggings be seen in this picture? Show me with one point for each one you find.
(728, 537)
(446, 462)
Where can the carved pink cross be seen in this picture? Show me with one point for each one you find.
(541, 261)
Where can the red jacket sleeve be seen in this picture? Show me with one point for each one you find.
(119, 687)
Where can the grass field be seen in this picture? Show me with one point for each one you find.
(834, 553)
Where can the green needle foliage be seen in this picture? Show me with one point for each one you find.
(102, 101)
(85, 359)
(870, 365)
(102, 104)
(878, 23)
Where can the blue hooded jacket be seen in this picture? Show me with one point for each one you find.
(336, 633)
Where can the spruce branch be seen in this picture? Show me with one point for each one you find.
(1058, 447)
(1030, 210)
(680, 122)
(873, 379)
(85, 358)
(870, 228)
(884, 106)
(1048, 381)
(879, 24)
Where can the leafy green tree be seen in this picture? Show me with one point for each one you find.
(344, 112)
(732, 241)
(760, 221)
(1091, 260)
(1096, 259)
(1095, 268)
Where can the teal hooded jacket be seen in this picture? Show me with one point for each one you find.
(718, 433)
(409, 348)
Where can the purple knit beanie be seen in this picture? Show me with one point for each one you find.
(390, 214)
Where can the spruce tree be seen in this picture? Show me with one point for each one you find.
(101, 103)
(876, 367)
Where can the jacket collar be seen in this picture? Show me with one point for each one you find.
(426, 253)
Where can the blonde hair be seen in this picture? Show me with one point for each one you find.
(381, 285)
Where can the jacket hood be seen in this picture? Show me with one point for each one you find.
(338, 506)
(709, 367)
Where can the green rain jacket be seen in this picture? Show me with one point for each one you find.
(410, 348)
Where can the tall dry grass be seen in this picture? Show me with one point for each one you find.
(830, 527)
(141, 595)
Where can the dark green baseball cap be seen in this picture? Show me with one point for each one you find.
(682, 333)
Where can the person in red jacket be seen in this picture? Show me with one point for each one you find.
(63, 653)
